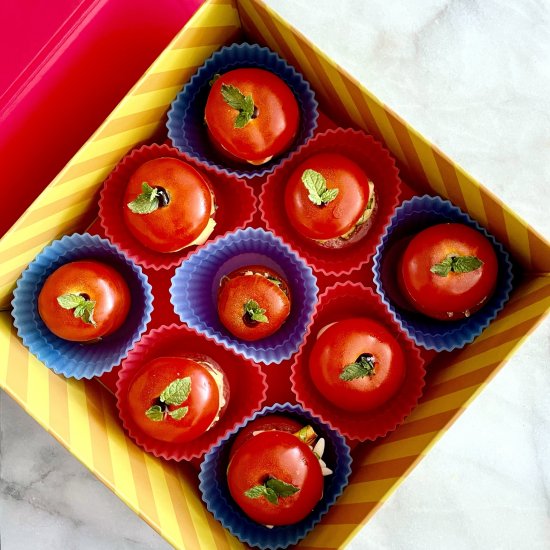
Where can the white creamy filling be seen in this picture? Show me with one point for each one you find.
(218, 378)
(366, 214)
(324, 328)
(207, 231)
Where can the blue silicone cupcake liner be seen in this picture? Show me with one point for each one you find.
(186, 128)
(410, 218)
(195, 285)
(215, 492)
(72, 359)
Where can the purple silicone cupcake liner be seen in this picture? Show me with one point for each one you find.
(215, 492)
(195, 285)
(186, 128)
(410, 218)
(73, 359)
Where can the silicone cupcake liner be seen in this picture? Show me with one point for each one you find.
(195, 286)
(410, 218)
(379, 166)
(72, 359)
(235, 202)
(186, 126)
(215, 492)
(174, 341)
(343, 301)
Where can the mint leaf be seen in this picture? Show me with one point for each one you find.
(70, 301)
(83, 309)
(233, 96)
(329, 195)
(255, 312)
(281, 488)
(443, 268)
(178, 414)
(237, 100)
(314, 181)
(255, 492)
(275, 281)
(358, 369)
(177, 391)
(465, 264)
(244, 116)
(146, 202)
(272, 489)
(316, 185)
(155, 413)
(271, 496)
(88, 313)
(80, 310)
(456, 264)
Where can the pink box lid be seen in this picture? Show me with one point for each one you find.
(62, 56)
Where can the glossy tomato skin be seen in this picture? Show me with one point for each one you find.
(98, 282)
(270, 133)
(237, 288)
(203, 401)
(176, 225)
(458, 294)
(265, 423)
(338, 216)
(280, 455)
(342, 343)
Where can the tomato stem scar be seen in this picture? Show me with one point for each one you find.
(163, 196)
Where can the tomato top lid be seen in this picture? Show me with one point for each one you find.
(84, 300)
(253, 302)
(357, 364)
(275, 478)
(326, 195)
(447, 270)
(252, 114)
(167, 204)
(176, 399)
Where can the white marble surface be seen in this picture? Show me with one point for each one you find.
(474, 77)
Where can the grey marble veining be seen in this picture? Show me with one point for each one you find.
(473, 77)
(49, 500)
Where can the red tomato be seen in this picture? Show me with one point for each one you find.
(274, 123)
(281, 456)
(265, 424)
(86, 281)
(185, 205)
(238, 290)
(342, 345)
(455, 295)
(340, 215)
(203, 400)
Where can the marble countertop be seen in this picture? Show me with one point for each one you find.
(474, 78)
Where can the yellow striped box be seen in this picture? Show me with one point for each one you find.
(82, 416)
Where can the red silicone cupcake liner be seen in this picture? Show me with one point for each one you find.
(379, 166)
(342, 301)
(235, 202)
(247, 388)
